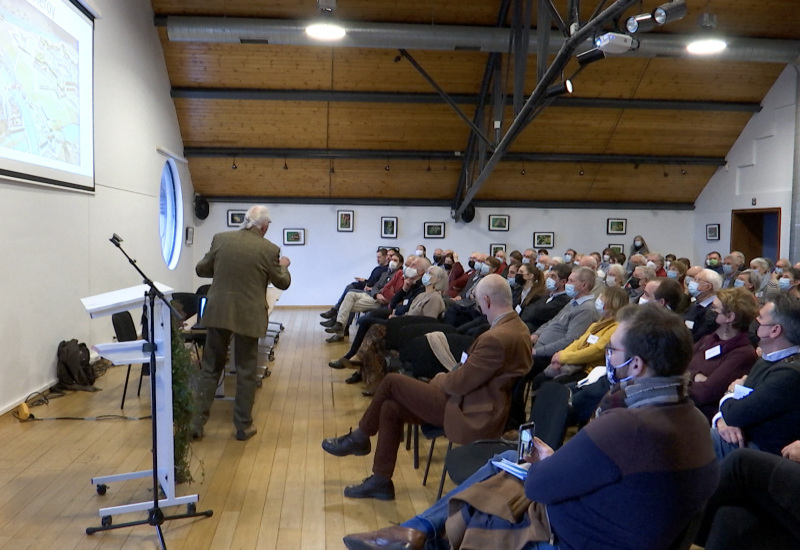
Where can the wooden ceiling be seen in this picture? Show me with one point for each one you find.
(299, 145)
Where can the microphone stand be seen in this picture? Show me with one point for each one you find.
(155, 516)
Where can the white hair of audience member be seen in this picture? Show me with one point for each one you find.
(763, 264)
(712, 277)
(647, 272)
(442, 281)
(257, 216)
(588, 261)
(555, 260)
(738, 255)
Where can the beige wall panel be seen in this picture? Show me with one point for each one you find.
(404, 179)
(396, 126)
(229, 123)
(695, 133)
(568, 131)
(247, 66)
(696, 79)
(376, 70)
(260, 177)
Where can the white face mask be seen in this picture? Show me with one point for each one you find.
(410, 273)
(526, 260)
(599, 305)
(651, 265)
(393, 265)
(567, 258)
(643, 300)
(419, 253)
(606, 257)
(611, 280)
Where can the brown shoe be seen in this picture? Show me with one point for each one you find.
(394, 538)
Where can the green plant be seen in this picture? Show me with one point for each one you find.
(182, 407)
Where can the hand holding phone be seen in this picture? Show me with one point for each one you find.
(525, 441)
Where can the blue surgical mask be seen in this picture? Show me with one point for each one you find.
(637, 243)
(485, 268)
(672, 274)
(478, 266)
(426, 279)
(567, 258)
(599, 305)
(540, 266)
(512, 281)
(526, 260)
(784, 283)
(727, 269)
(550, 284)
(738, 283)
(569, 288)
(693, 288)
(611, 371)
(779, 270)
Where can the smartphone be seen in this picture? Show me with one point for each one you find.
(525, 440)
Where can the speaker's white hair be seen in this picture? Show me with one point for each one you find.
(257, 216)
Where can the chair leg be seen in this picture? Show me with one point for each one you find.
(444, 473)
(428, 465)
(141, 375)
(416, 446)
(125, 388)
(408, 437)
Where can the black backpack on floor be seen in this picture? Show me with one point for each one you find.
(74, 370)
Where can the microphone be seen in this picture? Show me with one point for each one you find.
(116, 239)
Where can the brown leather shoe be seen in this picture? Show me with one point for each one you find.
(393, 538)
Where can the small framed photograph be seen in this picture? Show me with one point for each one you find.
(433, 230)
(293, 237)
(616, 226)
(498, 222)
(388, 227)
(189, 235)
(618, 248)
(236, 217)
(712, 232)
(345, 221)
(494, 247)
(544, 239)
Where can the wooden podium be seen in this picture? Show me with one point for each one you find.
(124, 353)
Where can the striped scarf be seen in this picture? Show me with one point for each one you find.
(642, 392)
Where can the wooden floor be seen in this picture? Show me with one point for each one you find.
(278, 490)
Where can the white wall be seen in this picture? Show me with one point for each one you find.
(760, 167)
(330, 259)
(54, 243)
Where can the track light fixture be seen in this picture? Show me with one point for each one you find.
(285, 166)
(387, 167)
(590, 56)
(643, 22)
(325, 26)
(671, 11)
(581, 172)
(233, 166)
(522, 172)
(708, 42)
(559, 88)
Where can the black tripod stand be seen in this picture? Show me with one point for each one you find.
(155, 516)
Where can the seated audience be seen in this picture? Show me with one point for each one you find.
(645, 462)
(461, 286)
(470, 402)
(641, 276)
(714, 262)
(755, 505)
(764, 413)
(731, 267)
(789, 281)
(532, 282)
(699, 317)
(677, 270)
(361, 283)
(726, 354)
(438, 258)
(454, 271)
(763, 267)
(655, 261)
(616, 276)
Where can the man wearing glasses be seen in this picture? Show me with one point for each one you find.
(762, 411)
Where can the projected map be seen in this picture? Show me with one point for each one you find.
(39, 96)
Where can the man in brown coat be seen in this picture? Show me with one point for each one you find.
(471, 401)
(242, 264)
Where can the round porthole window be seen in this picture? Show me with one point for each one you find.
(170, 218)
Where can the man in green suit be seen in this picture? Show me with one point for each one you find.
(242, 264)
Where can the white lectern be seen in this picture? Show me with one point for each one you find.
(123, 353)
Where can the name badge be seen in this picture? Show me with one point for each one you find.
(593, 339)
(464, 357)
(405, 302)
(518, 309)
(713, 352)
(689, 324)
(740, 391)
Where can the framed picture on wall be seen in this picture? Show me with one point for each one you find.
(544, 239)
(345, 220)
(498, 222)
(292, 237)
(494, 247)
(236, 217)
(388, 227)
(618, 248)
(616, 226)
(433, 230)
(712, 232)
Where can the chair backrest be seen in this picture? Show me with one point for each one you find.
(202, 290)
(549, 411)
(124, 327)
(188, 301)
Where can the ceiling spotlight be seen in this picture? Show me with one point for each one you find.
(333, 170)
(708, 43)
(233, 166)
(285, 166)
(590, 56)
(325, 26)
(522, 172)
(581, 172)
(671, 11)
(559, 88)
(640, 23)
(429, 166)
(683, 171)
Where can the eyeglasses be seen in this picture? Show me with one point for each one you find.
(610, 350)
